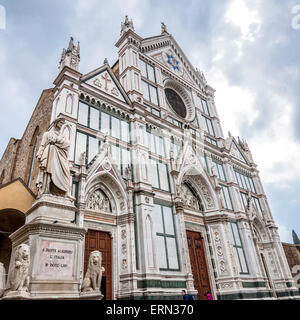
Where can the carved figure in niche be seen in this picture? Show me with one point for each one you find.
(220, 196)
(93, 276)
(188, 198)
(215, 176)
(54, 170)
(128, 173)
(19, 280)
(98, 201)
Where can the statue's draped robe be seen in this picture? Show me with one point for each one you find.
(54, 163)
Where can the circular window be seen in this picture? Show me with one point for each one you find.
(176, 102)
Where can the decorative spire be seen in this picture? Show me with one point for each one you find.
(105, 61)
(127, 25)
(71, 56)
(295, 238)
(71, 45)
(163, 28)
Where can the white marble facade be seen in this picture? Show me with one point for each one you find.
(183, 175)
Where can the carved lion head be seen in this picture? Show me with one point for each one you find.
(23, 252)
(95, 258)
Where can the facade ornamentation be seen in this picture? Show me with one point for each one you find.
(115, 92)
(123, 234)
(205, 193)
(19, 280)
(98, 201)
(188, 198)
(97, 83)
(93, 277)
(124, 264)
(219, 249)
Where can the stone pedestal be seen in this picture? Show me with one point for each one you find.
(92, 295)
(56, 249)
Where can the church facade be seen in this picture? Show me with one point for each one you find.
(169, 201)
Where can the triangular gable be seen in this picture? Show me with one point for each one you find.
(166, 50)
(236, 152)
(104, 80)
(169, 59)
(188, 157)
(105, 162)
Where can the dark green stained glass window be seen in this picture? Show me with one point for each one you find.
(176, 102)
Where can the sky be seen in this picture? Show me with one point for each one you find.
(249, 51)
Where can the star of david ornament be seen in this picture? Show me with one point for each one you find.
(173, 62)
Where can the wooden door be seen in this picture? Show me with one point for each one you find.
(198, 263)
(101, 241)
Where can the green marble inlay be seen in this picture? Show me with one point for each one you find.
(245, 295)
(287, 294)
(160, 284)
(254, 285)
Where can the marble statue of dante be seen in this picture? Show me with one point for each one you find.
(54, 170)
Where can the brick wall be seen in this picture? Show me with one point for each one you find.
(292, 253)
(7, 161)
(17, 157)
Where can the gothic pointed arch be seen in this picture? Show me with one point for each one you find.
(69, 104)
(190, 197)
(259, 229)
(193, 173)
(105, 193)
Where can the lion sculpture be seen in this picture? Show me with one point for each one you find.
(93, 276)
(19, 280)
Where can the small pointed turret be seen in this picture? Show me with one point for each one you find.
(71, 56)
(127, 25)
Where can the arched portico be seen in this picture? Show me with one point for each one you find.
(108, 223)
(196, 203)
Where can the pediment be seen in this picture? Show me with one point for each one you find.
(104, 163)
(105, 81)
(167, 52)
(172, 62)
(237, 153)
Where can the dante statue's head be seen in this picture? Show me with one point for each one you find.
(58, 123)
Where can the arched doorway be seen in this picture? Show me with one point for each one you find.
(10, 221)
(196, 198)
(105, 199)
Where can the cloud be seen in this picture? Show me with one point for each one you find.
(284, 233)
(247, 20)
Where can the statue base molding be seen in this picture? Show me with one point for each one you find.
(52, 209)
(91, 295)
(16, 295)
